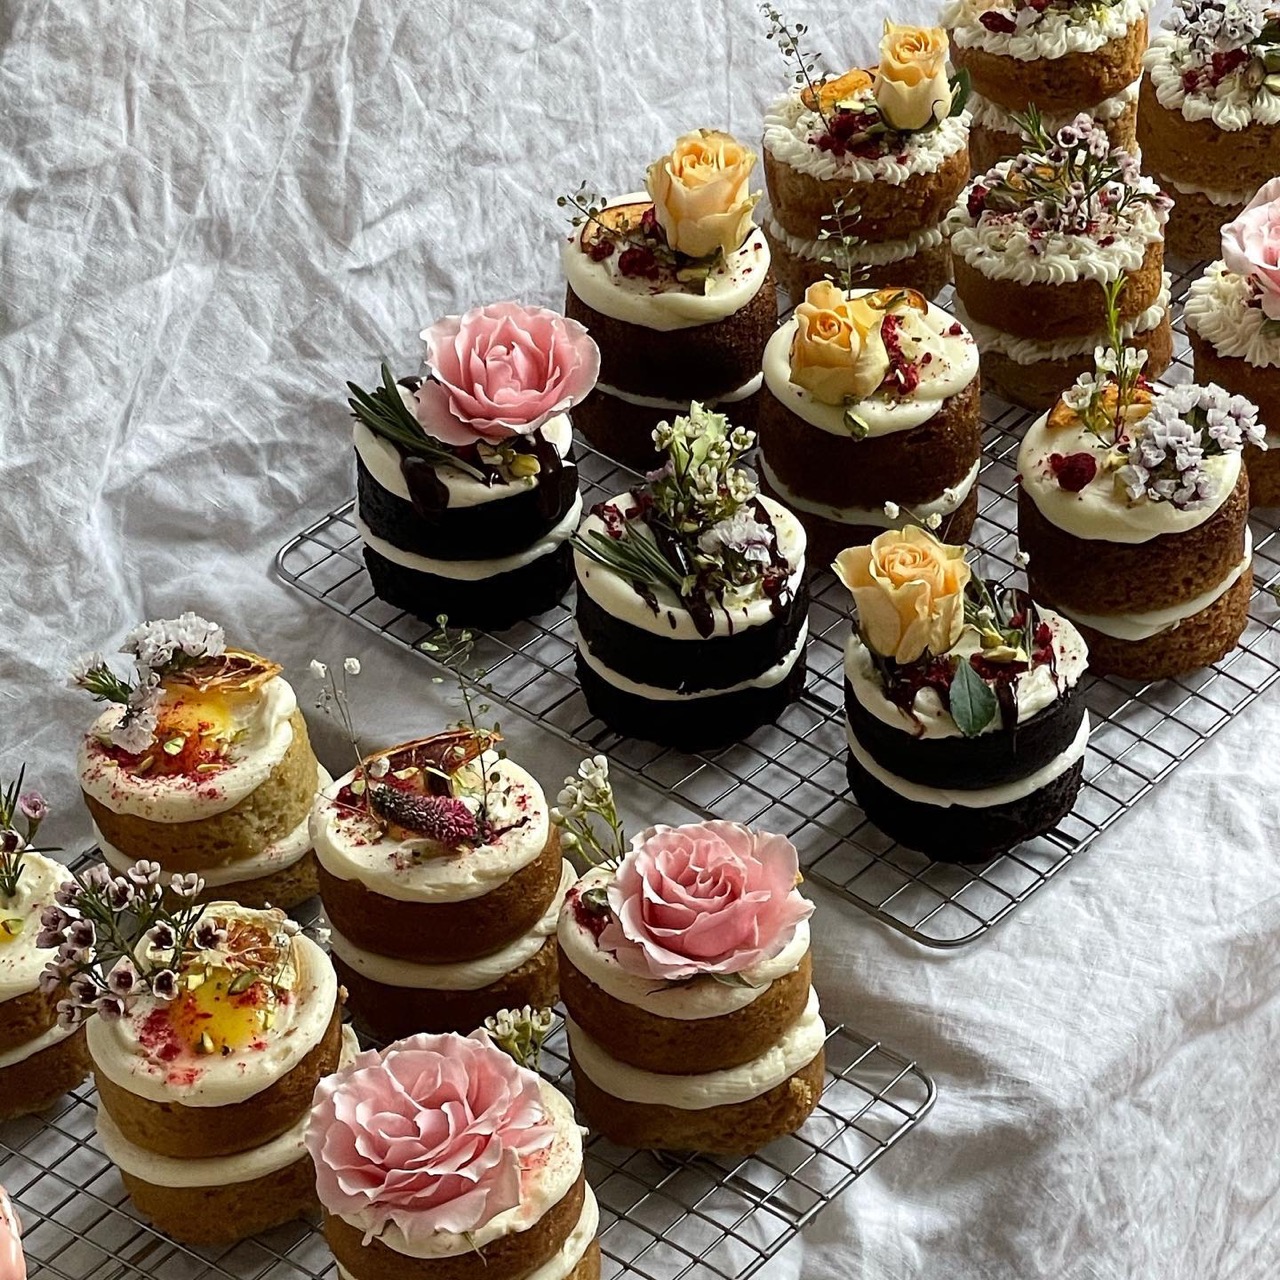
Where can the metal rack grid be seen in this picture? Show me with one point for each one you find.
(790, 776)
(661, 1217)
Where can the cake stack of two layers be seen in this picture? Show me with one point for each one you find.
(442, 880)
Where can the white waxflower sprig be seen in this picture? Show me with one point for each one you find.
(521, 1033)
(584, 808)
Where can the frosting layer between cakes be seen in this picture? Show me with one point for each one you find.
(29, 1048)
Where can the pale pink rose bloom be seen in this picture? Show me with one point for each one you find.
(711, 897)
(501, 371)
(13, 1264)
(429, 1134)
(1251, 245)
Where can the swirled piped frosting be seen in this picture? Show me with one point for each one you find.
(21, 961)
(1231, 104)
(1053, 33)
(1218, 308)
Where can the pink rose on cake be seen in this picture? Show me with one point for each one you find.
(1251, 245)
(502, 370)
(429, 1135)
(707, 898)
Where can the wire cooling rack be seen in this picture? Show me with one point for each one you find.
(789, 776)
(662, 1217)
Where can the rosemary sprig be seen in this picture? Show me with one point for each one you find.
(383, 412)
(634, 557)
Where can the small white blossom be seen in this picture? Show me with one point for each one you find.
(892, 510)
(351, 666)
(318, 669)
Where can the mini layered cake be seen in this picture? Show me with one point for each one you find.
(213, 1026)
(966, 731)
(41, 1057)
(1133, 509)
(686, 979)
(1232, 316)
(864, 168)
(442, 880)
(692, 608)
(871, 420)
(1207, 115)
(440, 1158)
(201, 764)
(1064, 56)
(674, 284)
(1041, 242)
(466, 489)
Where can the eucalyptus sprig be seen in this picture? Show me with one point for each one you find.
(21, 813)
(587, 815)
(521, 1033)
(789, 40)
(384, 412)
(835, 233)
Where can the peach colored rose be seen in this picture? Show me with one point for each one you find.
(13, 1264)
(837, 350)
(429, 1134)
(502, 370)
(908, 589)
(700, 193)
(1251, 245)
(711, 897)
(911, 85)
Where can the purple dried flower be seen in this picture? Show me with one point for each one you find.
(444, 819)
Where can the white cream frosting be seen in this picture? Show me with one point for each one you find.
(1037, 688)
(1223, 199)
(618, 598)
(382, 460)
(1006, 250)
(1217, 308)
(798, 1047)
(991, 115)
(1027, 351)
(877, 517)
(473, 570)
(351, 847)
(1053, 35)
(21, 961)
(281, 855)
(789, 124)
(775, 675)
(870, 253)
(29, 1048)
(1135, 627)
(542, 1186)
(980, 797)
(952, 367)
(264, 735)
(194, 1080)
(744, 392)
(1229, 103)
(685, 1001)
(1102, 510)
(657, 305)
(189, 1172)
(465, 975)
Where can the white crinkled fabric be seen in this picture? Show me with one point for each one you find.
(220, 212)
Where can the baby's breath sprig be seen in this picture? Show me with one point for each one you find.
(521, 1033)
(789, 40)
(584, 809)
(836, 235)
(587, 206)
(334, 700)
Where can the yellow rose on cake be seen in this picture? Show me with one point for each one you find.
(837, 351)
(908, 589)
(700, 193)
(911, 85)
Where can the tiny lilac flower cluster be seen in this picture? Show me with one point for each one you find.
(1187, 425)
(117, 940)
(158, 648)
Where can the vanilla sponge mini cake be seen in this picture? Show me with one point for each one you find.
(1063, 56)
(440, 1158)
(686, 982)
(966, 730)
(867, 165)
(1232, 316)
(1040, 243)
(691, 614)
(442, 880)
(201, 763)
(871, 418)
(674, 284)
(1133, 507)
(466, 488)
(1208, 114)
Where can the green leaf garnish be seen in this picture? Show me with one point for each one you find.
(973, 705)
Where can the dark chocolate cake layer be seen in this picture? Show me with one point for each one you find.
(504, 527)
(987, 760)
(690, 665)
(689, 724)
(492, 603)
(957, 834)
